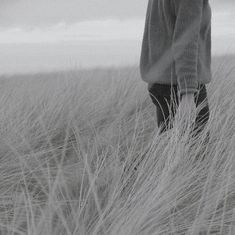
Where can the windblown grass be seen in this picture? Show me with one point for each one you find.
(70, 142)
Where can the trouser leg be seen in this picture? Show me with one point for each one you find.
(202, 118)
(166, 101)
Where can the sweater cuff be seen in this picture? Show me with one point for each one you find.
(187, 85)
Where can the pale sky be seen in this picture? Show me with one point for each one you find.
(50, 25)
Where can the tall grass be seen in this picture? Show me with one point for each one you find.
(69, 144)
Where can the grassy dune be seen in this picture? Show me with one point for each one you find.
(70, 140)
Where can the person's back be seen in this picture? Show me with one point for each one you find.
(176, 47)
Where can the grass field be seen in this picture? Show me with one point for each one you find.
(70, 140)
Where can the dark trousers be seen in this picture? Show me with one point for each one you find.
(166, 100)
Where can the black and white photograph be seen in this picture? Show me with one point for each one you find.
(117, 117)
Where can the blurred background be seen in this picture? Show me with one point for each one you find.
(47, 35)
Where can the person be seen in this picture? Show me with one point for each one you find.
(175, 60)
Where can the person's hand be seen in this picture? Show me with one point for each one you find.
(186, 113)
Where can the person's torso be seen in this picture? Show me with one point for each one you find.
(158, 35)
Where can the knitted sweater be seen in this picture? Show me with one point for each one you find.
(176, 46)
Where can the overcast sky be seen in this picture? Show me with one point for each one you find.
(50, 20)
(46, 12)
(69, 21)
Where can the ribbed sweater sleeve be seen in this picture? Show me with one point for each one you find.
(186, 43)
